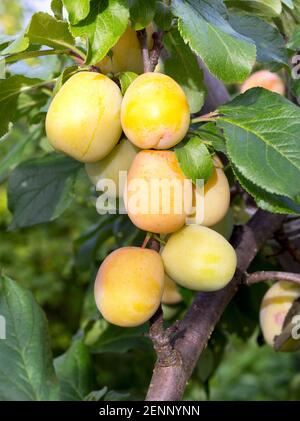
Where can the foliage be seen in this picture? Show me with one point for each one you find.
(56, 241)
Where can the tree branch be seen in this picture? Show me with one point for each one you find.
(263, 276)
(194, 330)
(150, 60)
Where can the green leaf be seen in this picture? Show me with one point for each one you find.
(294, 41)
(74, 372)
(126, 79)
(117, 339)
(265, 8)
(103, 27)
(26, 372)
(262, 138)
(64, 76)
(270, 45)
(44, 29)
(141, 12)
(195, 160)
(77, 10)
(228, 55)
(212, 136)
(10, 89)
(270, 202)
(39, 190)
(288, 3)
(182, 65)
(14, 155)
(163, 16)
(17, 46)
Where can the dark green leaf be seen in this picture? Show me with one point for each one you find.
(163, 16)
(265, 200)
(9, 91)
(104, 25)
(27, 372)
(182, 65)
(195, 160)
(74, 372)
(39, 190)
(77, 10)
(270, 45)
(64, 76)
(126, 78)
(203, 25)
(212, 136)
(141, 13)
(119, 340)
(44, 29)
(262, 139)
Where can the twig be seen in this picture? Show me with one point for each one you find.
(142, 36)
(156, 50)
(263, 276)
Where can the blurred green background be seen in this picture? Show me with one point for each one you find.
(57, 262)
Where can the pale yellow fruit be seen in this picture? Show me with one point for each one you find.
(126, 54)
(120, 159)
(129, 286)
(274, 307)
(225, 226)
(171, 294)
(155, 112)
(199, 258)
(264, 79)
(216, 196)
(152, 200)
(83, 120)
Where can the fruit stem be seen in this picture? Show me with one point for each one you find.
(207, 117)
(146, 240)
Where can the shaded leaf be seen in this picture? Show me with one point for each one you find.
(39, 190)
(26, 372)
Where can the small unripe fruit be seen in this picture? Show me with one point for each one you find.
(199, 258)
(152, 200)
(216, 196)
(274, 307)
(264, 79)
(129, 286)
(120, 159)
(83, 120)
(126, 54)
(171, 294)
(155, 112)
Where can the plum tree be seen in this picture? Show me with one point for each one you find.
(120, 159)
(155, 112)
(274, 307)
(129, 286)
(199, 258)
(83, 120)
(171, 295)
(264, 79)
(225, 226)
(153, 201)
(216, 196)
(126, 54)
